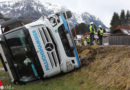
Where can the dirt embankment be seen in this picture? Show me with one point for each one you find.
(108, 66)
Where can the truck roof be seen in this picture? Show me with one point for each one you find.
(10, 25)
(10, 22)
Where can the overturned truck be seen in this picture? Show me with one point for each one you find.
(38, 50)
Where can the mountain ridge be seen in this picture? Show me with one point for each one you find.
(32, 9)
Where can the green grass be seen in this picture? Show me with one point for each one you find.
(76, 80)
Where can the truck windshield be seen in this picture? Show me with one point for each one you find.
(22, 60)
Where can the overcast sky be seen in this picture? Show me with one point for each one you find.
(103, 9)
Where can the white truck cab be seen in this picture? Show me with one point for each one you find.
(38, 50)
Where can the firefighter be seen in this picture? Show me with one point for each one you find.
(92, 32)
(100, 34)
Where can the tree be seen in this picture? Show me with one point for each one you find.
(122, 17)
(127, 16)
(115, 21)
(81, 29)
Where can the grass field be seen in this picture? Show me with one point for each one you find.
(100, 71)
(76, 80)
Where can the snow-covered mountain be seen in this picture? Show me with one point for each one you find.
(33, 9)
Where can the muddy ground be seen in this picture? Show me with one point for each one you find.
(108, 66)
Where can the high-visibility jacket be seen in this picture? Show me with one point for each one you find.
(101, 31)
(92, 29)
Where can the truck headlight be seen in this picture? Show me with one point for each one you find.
(53, 21)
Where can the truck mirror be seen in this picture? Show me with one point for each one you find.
(67, 14)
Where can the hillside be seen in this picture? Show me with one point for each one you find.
(108, 66)
(103, 68)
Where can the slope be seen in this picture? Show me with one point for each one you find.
(108, 66)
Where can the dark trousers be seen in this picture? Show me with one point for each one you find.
(100, 39)
(91, 38)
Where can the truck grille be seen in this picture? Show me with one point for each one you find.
(48, 39)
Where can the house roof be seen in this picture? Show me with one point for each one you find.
(122, 27)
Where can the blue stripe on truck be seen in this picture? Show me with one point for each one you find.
(34, 70)
(67, 28)
(43, 57)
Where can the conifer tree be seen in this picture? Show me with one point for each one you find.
(127, 16)
(122, 17)
(115, 21)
